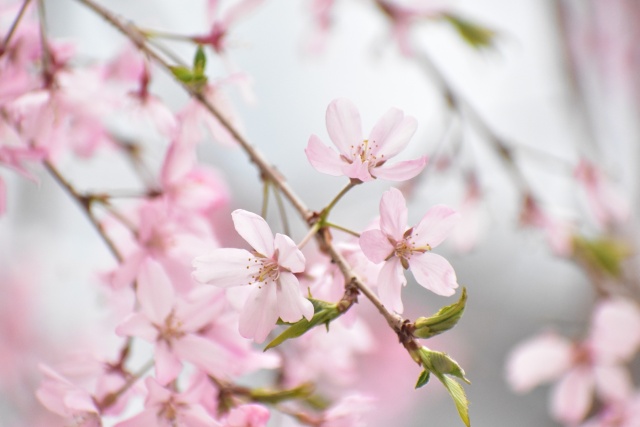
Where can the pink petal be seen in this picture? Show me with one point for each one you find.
(126, 273)
(434, 273)
(393, 214)
(435, 226)
(391, 134)
(259, 315)
(168, 366)
(225, 267)
(538, 360)
(613, 383)
(156, 394)
(255, 230)
(146, 418)
(155, 293)
(390, 282)
(572, 396)
(357, 169)
(203, 353)
(343, 125)
(323, 158)
(137, 325)
(289, 256)
(197, 416)
(375, 245)
(292, 306)
(248, 415)
(401, 171)
(615, 330)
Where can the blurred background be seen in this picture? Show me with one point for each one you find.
(558, 83)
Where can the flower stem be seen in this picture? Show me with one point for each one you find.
(312, 231)
(14, 26)
(85, 203)
(345, 190)
(341, 228)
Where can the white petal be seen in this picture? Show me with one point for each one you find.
(260, 313)
(323, 158)
(343, 125)
(435, 226)
(289, 256)
(434, 273)
(375, 245)
(393, 214)
(155, 292)
(572, 396)
(390, 283)
(225, 267)
(255, 230)
(400, 171)
(538, 360)
(292, 305)
(391, 134)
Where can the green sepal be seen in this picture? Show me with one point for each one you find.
(423, 378)
(604, 253)
(273, 397)
(474, 34)
(199, 62)
(445, 319)
(324, 313)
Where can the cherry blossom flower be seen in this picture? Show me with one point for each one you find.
(67, 399)
(165, 407)
(607, 203)
(174, 325)
(399, 247)
(583, 369)
(270, 268)
(364, 159)
(250, 415)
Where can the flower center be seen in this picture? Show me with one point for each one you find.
(269, 270)
(363, 151)
(172, 329)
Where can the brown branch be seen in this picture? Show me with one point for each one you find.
(85, 203)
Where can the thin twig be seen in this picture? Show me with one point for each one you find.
(14, 26)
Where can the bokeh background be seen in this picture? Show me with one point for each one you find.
(531, 88)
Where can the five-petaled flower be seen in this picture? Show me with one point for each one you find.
(400, 248)
(270, 268)
(364, 159)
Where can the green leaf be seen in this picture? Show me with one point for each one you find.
(445, 319)
(459, 397)
(474, 34)
(441, 363)
(604, 253)
(324, 313)
(199, 62)
(423, 378)
(183, 74)
(273, 397)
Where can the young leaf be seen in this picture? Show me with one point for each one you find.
(474, 34)
(423, 378)
(199, 62)
(459, 397)
(183, 74)
(445, 319)
(324, 313)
